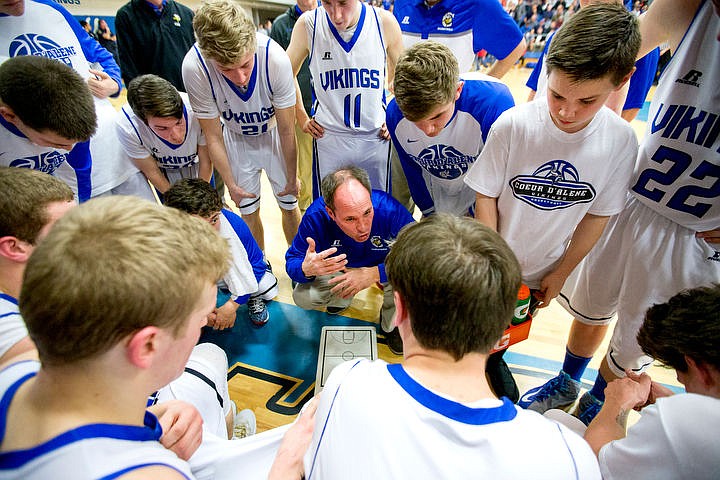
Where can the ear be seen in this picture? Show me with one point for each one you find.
(8, 114)
(705, 373)
(142, 347)
(459, 89)
(401, 312)
(330, 213)
(625, 79)
(15, 250)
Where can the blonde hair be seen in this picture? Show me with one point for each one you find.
(224, 31)
(113, 266)
(426, 76)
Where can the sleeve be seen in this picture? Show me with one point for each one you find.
(80, 159)
(296, 253)
(129, 136)
(126, 46)
(413, 171)
(198, 85)
(94, 53)
(494, 30)
(532, 81)
(280, 75)
(494, 103)
(611, 199)
(642, 80)
(487, 174)
(12, 330)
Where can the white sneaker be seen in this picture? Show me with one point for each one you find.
(244, 424)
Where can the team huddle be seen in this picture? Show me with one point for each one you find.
(102, 303)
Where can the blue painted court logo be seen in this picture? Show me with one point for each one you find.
(34, 44)
(444, 161)
(46, 162)
(553, 186)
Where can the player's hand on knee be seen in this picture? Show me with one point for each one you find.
(101, 85)
(238, 194)
(181, 425)
(322, 263)
(313, 128)
(292, 188)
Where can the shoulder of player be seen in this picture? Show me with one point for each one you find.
(154, 472)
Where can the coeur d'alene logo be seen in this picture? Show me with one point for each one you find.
(553, 186)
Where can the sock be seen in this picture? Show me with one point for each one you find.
(575, 365)
(598, 390)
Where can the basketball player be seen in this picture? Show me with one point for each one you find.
(666, 239)
(433, 416)
(81, 411)
(249, 279)
(439, 125)
(553, 171)
(352, 49)
(159, 132)
(245, 78)
(44, 28)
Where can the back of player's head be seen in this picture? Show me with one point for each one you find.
(24, 197)
(194, 196)
(597, 41)
(48, 95)
(333, 180)
(459, 281)
(111, 267)
(687, 324)
(426, 76)
(153, 96)
(224, 31)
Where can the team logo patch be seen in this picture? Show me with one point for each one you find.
(40, 45)
(553, 186)
(176, 19)
(444, 161)
(46, 162)
(447, 19)
(376, 241)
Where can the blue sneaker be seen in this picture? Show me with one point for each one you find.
(559, 392)
(257, 311)
(588, 408)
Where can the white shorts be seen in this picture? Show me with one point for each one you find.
(136, 185)
(368, 152)
(643, 259)
(248, 156)
(211, 362)
(176, 174)
(267, 286)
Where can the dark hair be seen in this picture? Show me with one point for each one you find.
(24, 197)
(599, 40)
(332, 181)
(459, 281)
(194, 196)
(687, 324)
(48, 95)
(153, 96)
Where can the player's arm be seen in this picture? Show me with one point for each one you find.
(297, 51)
(665, 20)
(216, 148)
(205, 167)
(486, 211)
(286, 129)
(584, 238)
(149, 167)
(501, 67)
(393, 42)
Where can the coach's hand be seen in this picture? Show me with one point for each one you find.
(101, 85)
(313, 128)
(322, 263)
(237, 194)
(354, 280)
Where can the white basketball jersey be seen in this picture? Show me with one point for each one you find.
(139, 141)
(249, 111)
(88, 452)
(348, 76)
(678, 169)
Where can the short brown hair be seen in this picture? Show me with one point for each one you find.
(333, 180)
(459, 281)
(599, 40)
(47, 95)
(112, 266)
(224, 31)
(426, 76)
(153, 96)
(194, 196)
(24, 197)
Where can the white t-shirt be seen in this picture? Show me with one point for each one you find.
(675, 438)
(375, 421)
(12, 326)
(546, 180)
